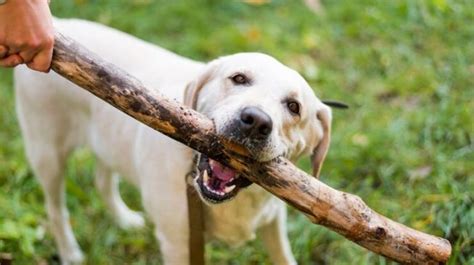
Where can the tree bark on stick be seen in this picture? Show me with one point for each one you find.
(344, 213)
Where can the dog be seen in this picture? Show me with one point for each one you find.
(252, 98)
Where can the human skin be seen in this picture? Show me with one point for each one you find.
(26, 34)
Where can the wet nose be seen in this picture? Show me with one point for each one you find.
(255, 123)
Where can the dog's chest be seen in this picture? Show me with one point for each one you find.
(237, 221)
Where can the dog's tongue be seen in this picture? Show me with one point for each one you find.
(220, 171)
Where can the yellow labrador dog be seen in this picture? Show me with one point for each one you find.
(252, 98)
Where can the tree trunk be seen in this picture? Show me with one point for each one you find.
(344, 213)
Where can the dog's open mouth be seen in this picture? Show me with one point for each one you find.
(217, 183)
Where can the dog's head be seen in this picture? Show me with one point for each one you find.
(256, 101)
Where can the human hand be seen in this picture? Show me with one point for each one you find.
(26, 34)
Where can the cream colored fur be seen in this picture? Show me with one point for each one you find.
(56, 117)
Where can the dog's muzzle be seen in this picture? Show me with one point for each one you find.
(255, 123)
(251, 128)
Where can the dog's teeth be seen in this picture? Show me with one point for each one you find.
(205, 176)
(229, 189)
(205, 182)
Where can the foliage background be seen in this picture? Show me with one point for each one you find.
(405, 146)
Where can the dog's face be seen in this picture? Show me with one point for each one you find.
(256, 101)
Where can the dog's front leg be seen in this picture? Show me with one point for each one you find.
(163, 189)
(167, 210)
(275, 239)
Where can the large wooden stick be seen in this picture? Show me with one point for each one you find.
(344, 213)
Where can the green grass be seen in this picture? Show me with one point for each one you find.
(405, 146)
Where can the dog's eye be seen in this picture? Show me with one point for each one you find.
(240, 79)
(294, 107)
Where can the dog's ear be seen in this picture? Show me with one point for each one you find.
(335, 104)
(319, 153)
(191, 93)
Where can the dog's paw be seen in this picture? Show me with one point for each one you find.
(74, 257)
(131, 220)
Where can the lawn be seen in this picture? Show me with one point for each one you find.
(406, 145)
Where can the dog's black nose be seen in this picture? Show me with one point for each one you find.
(255, 123)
